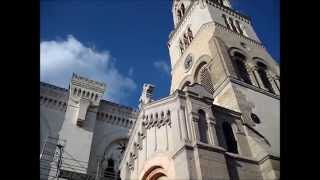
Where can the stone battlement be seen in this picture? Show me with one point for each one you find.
(87, 83)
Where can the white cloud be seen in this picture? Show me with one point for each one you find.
(60, 58)
(162, 66)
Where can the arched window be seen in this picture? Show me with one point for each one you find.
(190, 35)
(239, 61)
(74, 91)
(255, 118)
(205, 79)
(232, 25)
(96, 97)
(264, 77)
(239, 27)
(182, 9)
(181, 46)
(179, 15)
(109, 171)
(186, 41)
(202, 125)
(229, 138)
(79, 92)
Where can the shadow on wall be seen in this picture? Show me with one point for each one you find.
(232, 166)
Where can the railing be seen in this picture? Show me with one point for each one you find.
(56, 163)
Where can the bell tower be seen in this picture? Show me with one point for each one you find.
(214, 45)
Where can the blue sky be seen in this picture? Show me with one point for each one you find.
(125, 42)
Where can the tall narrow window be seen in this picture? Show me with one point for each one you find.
(190, 35)
(203, 128)
(264, 77)
(186, 41)
(179, 15)
(226, 21)
(233, 27)
(239, 27)
(229, 138)
(239, 61)
(183, 9)
(181, 46)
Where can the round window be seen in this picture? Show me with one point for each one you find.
(255, 118)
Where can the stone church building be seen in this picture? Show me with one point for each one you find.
(221, 119)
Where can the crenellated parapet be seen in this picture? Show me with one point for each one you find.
(84, 93)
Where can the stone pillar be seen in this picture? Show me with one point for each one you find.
(195, 121)
(184, 128)
(212, 131)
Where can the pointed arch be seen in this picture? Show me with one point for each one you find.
(202, 74)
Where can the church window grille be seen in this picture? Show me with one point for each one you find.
(205, 79)
(255, 118)
(203, 127)
(229, 138)
(242, 72)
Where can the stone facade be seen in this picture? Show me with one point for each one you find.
(93, 130)
(220, 121)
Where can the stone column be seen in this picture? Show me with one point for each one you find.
(252, 75)
(212, 131)
(260, 83)
(273, 84)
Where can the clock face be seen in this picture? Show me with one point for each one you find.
(188, 62)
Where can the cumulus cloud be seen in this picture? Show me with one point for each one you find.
(60, 58)
(162, 66)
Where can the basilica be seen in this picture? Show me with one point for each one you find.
(220, 121)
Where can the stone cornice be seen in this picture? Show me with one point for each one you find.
(226, 110)
(225, 29)
(231, 79)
